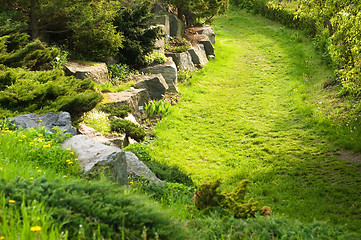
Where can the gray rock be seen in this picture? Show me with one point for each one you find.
(183, 60)
(176, 26)
(208, 31)
(198, 55)
(138, 168)
(155, 85)
(159, 43)
(49, 121)
(98, 72)
(119, 141)
(168, 71)
(134, 98)
(208, 46)
(162, 20)
(95, 157)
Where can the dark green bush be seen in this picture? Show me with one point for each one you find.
(97, 208)
(131, 129)
(139, 39)
(23, 91)
(119, 111)
(168, 173)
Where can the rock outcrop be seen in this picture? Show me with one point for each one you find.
(139, 169)
(176, 26)
(208, 31)
(49, 121)
(95, 157)
(98, 72)
(135, 98)
(183, 60)
(154, 84)
(198, 55)
(168, 71)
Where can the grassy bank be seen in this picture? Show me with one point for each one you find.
(260, 111)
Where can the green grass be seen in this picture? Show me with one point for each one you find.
(258, 111)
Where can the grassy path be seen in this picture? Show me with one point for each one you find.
(247, 115)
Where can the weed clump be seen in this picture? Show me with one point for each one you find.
(208, 196)
(130, 129)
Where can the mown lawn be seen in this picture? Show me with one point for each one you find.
(258, 111)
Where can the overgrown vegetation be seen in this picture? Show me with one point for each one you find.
(131, 129)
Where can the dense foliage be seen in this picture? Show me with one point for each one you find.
(335, 26)
(23, 91)
(95, 209)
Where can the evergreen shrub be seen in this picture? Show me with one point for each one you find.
(96, 209)
(130, 129)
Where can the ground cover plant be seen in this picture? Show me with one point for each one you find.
(260, 111)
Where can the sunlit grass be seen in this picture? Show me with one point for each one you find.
(258, 111)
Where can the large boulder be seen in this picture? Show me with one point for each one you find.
(176, 26)
(95, 157)
(198, 55)
(168, 71)
(160, 43)
(183, 60)
(162, 20)
(208, 31)
(155, 85)
(208, 46)
(118, 141)
(134, 98)
(98, 72)
(49, 121)
(139, 169)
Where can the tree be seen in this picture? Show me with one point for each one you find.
(191, 11)
(84, 26)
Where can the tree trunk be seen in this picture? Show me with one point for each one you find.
(34, 20)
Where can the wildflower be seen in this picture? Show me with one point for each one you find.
(39, 171)
(35, 229)
(76, 159)
(6, 128)
(31, 178)
(46, 146)
(2, 237)
(41, 139)
(20, 140)
(39, 120)
(40, 135)
(131, 182)
(11, 201)
(31, 143)
(72, 153)
(70, 162)
(68, 149)
(23, 136)
(36, 167)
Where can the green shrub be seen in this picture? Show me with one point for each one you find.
(120, 72)
(208, 196)
(23, 91)
(155, 57)
(119, 111)
(160, 107)
(177, 45)
(131, 129)
(95, 209)
(162, 171)
(139, 39)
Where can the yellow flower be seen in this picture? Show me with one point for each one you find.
(31, 178)
(6, 128)
(76, 159)
(46, 146)
(68, 149)
(41, 139)
(31, 143)
(35, 229)
(36, 167)
(20, 140)
(72, 153)
(39, 120)
(2, 134)
(70, 162)
(11, 201)
(2, 238)
(23, 136)
(40, 135)
(39, 171)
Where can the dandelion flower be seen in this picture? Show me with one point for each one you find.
(76, 159)
(31, 143)
(36, 167)
(20, 140)
(39, 171)
(72, 153)
(40, 135)
(68, 149)
(23, 136)
(70, 162)
(46, 146)
(31, 178)
(11, 201)
(35, 229)
(2, 238)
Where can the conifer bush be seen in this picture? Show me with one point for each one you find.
(130, 129)
(96, 209)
